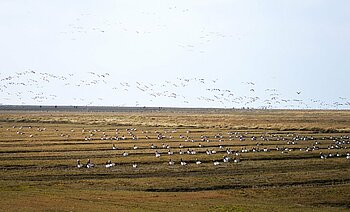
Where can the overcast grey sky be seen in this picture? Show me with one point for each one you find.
(186, 53)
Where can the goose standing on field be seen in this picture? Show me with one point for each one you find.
(79, 165)
(198, 162)
(183, 163)
(125, 154)
(227, 159)
(171, 163)
(109, 164)
(236, 160)
(157, 154)
(216, 163)
(323, 156)
(134, 165)
(114, 147)
(347, 155)
(208, 152)
(89, 164)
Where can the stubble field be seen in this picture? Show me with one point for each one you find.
(274, 160)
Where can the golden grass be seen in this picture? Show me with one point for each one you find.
(38, 173)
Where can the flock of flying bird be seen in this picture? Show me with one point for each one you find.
(87, 24)
(32, 87)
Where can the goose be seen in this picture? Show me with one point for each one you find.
(89, 164)
(79, 165)
(171, 162)
(180, 146)
(157, 154)
(183, 163)
(153, 147)
(236, 160)
(170, 152)
(216, 163)
(198, 162)
(114, 147)
(347, 155)
(200, 145)
(125, 154)
(208, 152)
(135, 147)
(181, 153)
(109, 164)
(134, 165)
(322, 156)
(227, 159)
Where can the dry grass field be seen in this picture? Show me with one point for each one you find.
(274, 161)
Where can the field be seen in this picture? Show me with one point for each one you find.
(274, 160)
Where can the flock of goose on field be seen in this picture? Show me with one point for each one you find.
(30, 87)
(222, 147)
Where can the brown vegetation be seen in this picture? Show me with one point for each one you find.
(39, 172)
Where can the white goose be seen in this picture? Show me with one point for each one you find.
(198, 162)
(125, 154)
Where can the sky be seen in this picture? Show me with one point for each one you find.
(186, 53)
